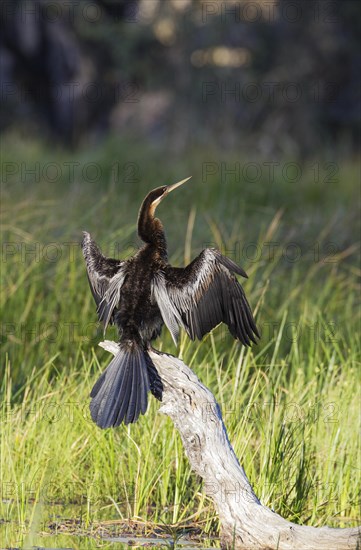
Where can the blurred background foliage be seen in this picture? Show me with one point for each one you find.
(273, 77)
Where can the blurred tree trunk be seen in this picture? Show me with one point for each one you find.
(49, 66)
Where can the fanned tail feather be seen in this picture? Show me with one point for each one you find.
(121, 392)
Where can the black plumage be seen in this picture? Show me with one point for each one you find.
(141, 294)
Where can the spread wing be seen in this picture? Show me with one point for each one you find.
(105, 276)
(202, 295)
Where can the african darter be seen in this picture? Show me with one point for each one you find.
(138, 295)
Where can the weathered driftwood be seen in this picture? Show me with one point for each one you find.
(245, 522)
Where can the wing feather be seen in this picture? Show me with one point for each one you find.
(202, 295)
(106, 277)
(168, 309)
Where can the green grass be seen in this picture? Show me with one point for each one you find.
(291, 404)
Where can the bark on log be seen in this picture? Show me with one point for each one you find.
(245, 522)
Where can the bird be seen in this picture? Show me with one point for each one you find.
(141, 294)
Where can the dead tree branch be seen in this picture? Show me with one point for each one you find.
(245, 522)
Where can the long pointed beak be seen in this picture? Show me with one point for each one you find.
(175, 185)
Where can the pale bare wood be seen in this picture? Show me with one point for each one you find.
(245, 522)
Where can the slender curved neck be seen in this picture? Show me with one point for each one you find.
(150, 229)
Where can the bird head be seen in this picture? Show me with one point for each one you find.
(156, 196)
(150, 229)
